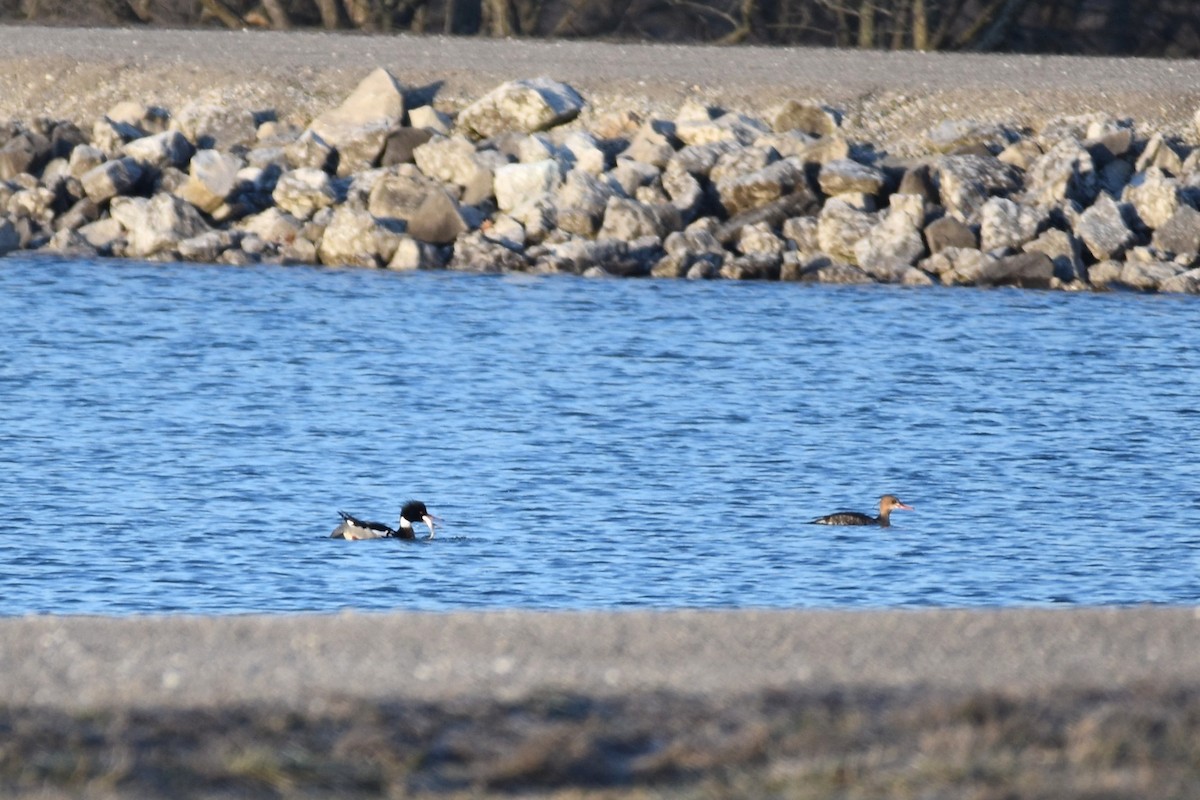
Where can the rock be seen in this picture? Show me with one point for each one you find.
(84, 158)
(310, 151)
(273, 226)
(840, 227)
(359, 128)
(764, 186)
(1025, 270)
(917, 180)
(1148, 276)
(957, 265)
(518, 184)
(110, 179)
(699, 160)
(966, 182)
(207, 247)
(169, 148)
(1003, 224)
(1154, 197)
(834, 272)
(216, 127)
(212, 179)
(112, 136)
(1065, 172)
(1179, 235)
(438, 220)
(429, 119)
(1157, 153)
(79, 214)
(685, 249)
(412, 254)
(732, 128)
(525, 106)
(890, 247)
(105, 234)
(759, 238)
(586, 152)
(629, 176)
(653, 144)
(684, 190)
(155, 225)
(1064, 251)
(805, 117)
(579, 203)
(10, 239)
(626, 220)
(1108, 139)
(842, 176)
(398, 195)
(400, 145)
(957, 135)
(949, 232)
(475, 253)
(1021, 154)
(355, 238)
(1187, 282)
(1102, 228)
(802, 201)
(450, 160)
(752, 267)
(301, 192)
(23, 154)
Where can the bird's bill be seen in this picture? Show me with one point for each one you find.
(905, 506)
(428, 520)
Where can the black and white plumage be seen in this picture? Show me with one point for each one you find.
(886, 504)
(352, 527)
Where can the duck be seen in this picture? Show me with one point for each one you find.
(886, 504)
(352, 527)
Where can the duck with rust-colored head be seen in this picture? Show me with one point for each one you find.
(886, 504)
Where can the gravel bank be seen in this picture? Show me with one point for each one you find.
(79, 74)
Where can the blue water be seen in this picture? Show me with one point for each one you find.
(179, 438)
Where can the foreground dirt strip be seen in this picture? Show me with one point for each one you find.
(1031, 703)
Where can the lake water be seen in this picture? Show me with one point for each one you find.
(179, 438)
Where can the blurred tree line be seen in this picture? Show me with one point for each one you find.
(1169, 28)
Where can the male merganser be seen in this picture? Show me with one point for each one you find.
(886, 504)
(354, 528)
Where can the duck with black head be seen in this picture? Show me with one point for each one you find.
(352, 527)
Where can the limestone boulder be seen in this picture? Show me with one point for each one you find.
(1065, 172)
(355, 238)
(763, 186)
(359, 128)
(1179, 235)
(579, 203)
(1003, 223)
(412, 254)
(626, 220)
(438, 220)
(1025, 270)
(1064, 252)
(947, 232)
(212, 179)
(518, 184)
(165, 149)
(840, 227)
(157, 224)
(302, 192)
(808, 118)
(216, 126)
(965, 182)
(1103, 228)
(843, 176)
(525, 105)
(1154, 197)
(110, 179)
(476, 253)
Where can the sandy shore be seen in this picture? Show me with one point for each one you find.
(306, 661)
(78, 74)
(1030, 703)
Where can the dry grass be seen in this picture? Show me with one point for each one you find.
(1141, 742)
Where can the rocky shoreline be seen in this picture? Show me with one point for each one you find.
(527, 178)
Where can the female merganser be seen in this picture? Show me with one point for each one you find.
(354, 528)
(886, 504)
